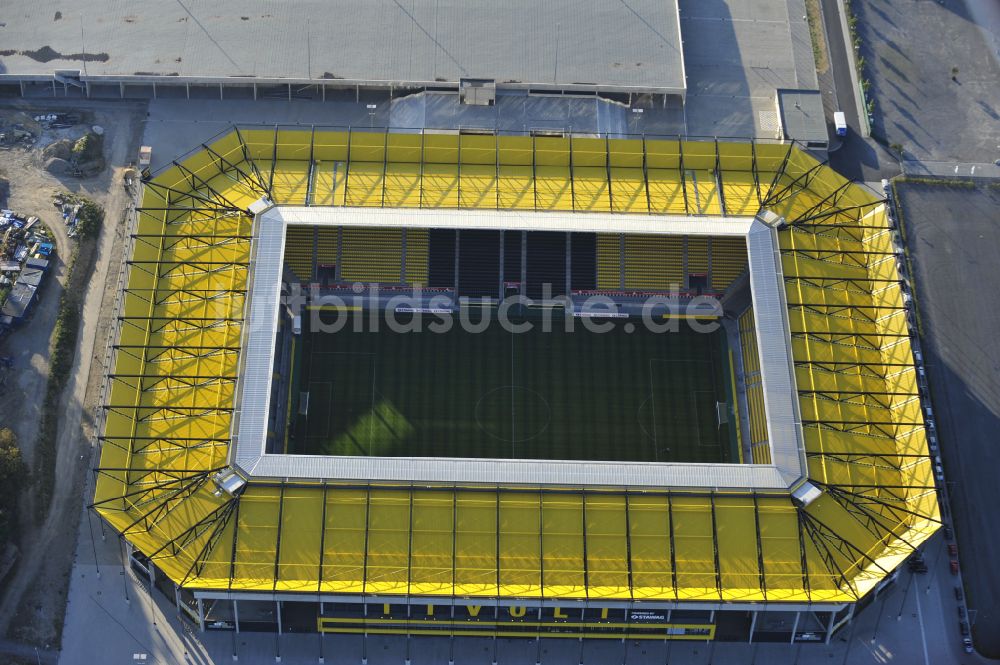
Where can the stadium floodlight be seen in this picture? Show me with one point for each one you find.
(229, 481)
(260, 205)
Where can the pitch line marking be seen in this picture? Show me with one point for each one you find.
(329, 403)
(513, 387)
(343, 353)
(652, 411)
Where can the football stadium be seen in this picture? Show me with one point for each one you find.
(470, 384)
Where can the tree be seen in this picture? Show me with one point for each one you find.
(12, 473)
(89, 219)
(11, 466)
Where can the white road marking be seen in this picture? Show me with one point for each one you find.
(923, 636)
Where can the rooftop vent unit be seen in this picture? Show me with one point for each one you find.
(478, 92)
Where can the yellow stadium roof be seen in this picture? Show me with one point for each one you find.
(171, 399)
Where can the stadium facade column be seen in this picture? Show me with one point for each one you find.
(201, 615)
(277, 638)
(409, 607)
(711, 641)
(496, 627)
(795, 626)
(538, 641)
(753, 625)
(236, 615)
(451, 633)
(849, 618)
(829, 625)
(364, 606)
(321, 633)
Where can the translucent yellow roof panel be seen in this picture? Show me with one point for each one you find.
(433, 543)
(564, 572)
(344, 541)
(178, 352)
(607, 546)
(476, 543)
(519, 543)
(650, 551)
(299, 551)
(388, 545)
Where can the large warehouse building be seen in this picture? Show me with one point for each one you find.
(694, 68)
(758, 480)
(149, 48)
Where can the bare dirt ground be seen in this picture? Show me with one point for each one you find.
(32, 603)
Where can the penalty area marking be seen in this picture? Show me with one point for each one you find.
(329, 403)
(652, 401)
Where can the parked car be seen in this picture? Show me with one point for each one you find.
(964, 627)
(967, 645)
(959, 596)
(961, 612)
(953, 549)
(917, 563)
(948, 533)
(954, 566)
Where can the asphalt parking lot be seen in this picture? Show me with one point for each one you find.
(954, 242)
(934, 66)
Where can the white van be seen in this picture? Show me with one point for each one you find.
(840, 122)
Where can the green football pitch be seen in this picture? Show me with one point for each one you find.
(580, 395)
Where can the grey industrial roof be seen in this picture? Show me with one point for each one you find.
(801, 115)
(32, 276)
(18, 300)
(40, 264)
(616, 45)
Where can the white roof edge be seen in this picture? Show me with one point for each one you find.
(777, 369)
(257, 355)
(525, 472)
(514, 220)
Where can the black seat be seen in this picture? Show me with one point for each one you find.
(546, 263)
